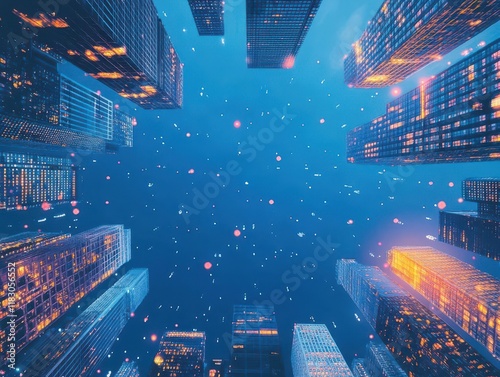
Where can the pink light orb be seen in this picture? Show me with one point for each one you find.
(188, 134)
(154, 337)
(108, 177)
(73, 203)
(236, 124)
(431, 183)
(460, 200)
(271, 201)
(46, 206)
(451, 184)
(191, 171)
(350, 221)
(278, 158)
(395, 220)
(322, 120)
(380, 243)
(237, 232)
(25, 226)
(106, 202)
(442, 205)
(207, 265)
(76, 211)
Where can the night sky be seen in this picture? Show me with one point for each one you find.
(302, 171)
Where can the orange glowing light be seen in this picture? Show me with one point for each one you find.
(289, 62)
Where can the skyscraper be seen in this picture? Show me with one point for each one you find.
(478, 231)
(53, 272)
(128, 369)
(378, 362)
(181, 354)
(31, 176)
(77, 350)
(450, 118)
(405, 36)
(255, 347)
(208, 16)
(39, 105)
(420, 342)
(122, 44)
(466, 295)
(217, 368)
(315, 353)
(276, 30)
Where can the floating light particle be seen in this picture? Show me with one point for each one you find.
(431, 183)
(289, 62)
(442, 205)
(460, 200)
(46, 206)
(191, 171)
(127, 360)
(395, 220)
(380, 244)
(322, 120)
(132, 314)
(386, 265)
(154, 337)
(371, 336)
(134, 122)
(188, 134)
(108, 177)
(73, 203)
(278, 158)
(76, 211)
(236, 124)
(350, 221)
(72, 154)
(237, 232)
(271, 201)
(396, 91)
(106, 202)
(451, 184)
(25, 226)
(207, 265)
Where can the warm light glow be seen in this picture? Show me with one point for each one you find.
(289, 62)
(42, 21)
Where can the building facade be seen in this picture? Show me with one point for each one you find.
(476, 231)
(217, 368)
(358, 368)
(315, 353)
(181, 353)
(123, 45)
(404, 36)
(208, 16)
(128, 369)
(78, 349)
(53, 272)
(379, 362)
(276, 30)
(453, 117)
(466, 295)
(255, 346)
(421, 343)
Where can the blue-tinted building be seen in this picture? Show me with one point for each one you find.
(378, 362)
(122, 44)
(476, 231)
(315, 353)
(421, 343)
(452, 117)
(77, 350)
(208, 16)
(128, 369)
(276, 29)
(255, 346)
(406, 35)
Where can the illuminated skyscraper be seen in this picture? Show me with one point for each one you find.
(53, 272)
(181, 354)
(77, 350)
(466, 295)
(315, 353)
(404, 36)
(128, 369)
(378, 362)
(276, 30)
(217, 368)
(122, 44)
(29, 177)
(477, 231)
(255, 347)
(452, 117)
(37, 104)
(420, 342)
(208, 16)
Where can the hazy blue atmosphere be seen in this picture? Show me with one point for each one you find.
(292, 189)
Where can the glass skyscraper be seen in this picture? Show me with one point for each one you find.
(422, 343)
(77, 350)
(477, 231)
(378, 362)
(453, 117)
(208, 16)
(30, 176)
(53, 272)
(128, 369)
(406, 35)
(122, 44)
(315, 353)
(181, 354)
(255, 346)
(276, 30)
(466, 295)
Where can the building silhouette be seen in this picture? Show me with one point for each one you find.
(315, 353)
(378, 362)
(208, 16)
(476, 231)
(78, 349)
(128, 369)
(466, 295)
(54, 272)
(255, 347)
(181, 353)
(276, 30)
(403, 37)
(421, 343)
(449, 118)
